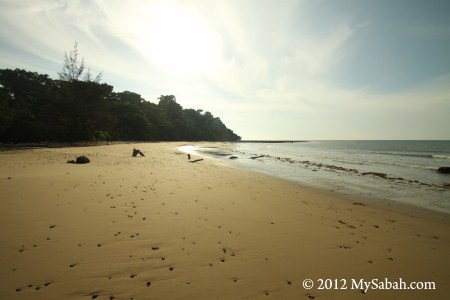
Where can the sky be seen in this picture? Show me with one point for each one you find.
(269, 69)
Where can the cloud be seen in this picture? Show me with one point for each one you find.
(272, 62)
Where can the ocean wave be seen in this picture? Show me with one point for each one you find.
(323, 160)
(441, 156)
(436, 156)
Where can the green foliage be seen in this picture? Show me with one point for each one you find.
(73, 68)
(35, 108)
(101, 136)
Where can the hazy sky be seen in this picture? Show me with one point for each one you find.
(278, 69)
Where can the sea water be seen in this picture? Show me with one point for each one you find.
(403, 171)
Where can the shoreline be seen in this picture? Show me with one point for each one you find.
(358, 182)
(161, 227)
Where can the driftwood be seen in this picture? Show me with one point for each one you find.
(136, 152)
(193, 161)
(259, 156)
(233, 157)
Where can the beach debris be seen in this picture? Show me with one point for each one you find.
(189, 156)
(79, 160)
(444, 170)
(349, 226)
(258, 156)
(193, 161)
(136, 152)
(382, 175)
(233, 157)
(155, 247)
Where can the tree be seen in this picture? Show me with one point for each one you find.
(73, 68)
(26, 98)
(35, 108)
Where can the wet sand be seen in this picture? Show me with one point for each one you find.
(162, 227)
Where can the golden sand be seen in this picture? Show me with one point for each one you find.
(161, 227)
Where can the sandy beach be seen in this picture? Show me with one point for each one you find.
(162, 227)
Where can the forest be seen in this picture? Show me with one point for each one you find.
(36, 108)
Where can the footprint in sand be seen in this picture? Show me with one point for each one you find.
(345, 247)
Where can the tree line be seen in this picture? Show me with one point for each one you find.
(36, 108)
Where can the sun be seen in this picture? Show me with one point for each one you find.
(177, 40)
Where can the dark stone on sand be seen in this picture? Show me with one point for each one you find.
(233, 157)
(155, 247)
(444, 170)
(79, 160)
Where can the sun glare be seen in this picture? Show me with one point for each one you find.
(177, 41)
